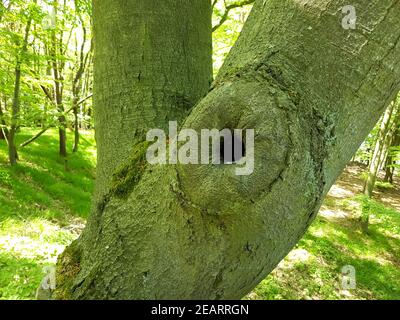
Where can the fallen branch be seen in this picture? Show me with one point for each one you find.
(24, 144)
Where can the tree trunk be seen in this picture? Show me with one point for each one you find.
(12, 148)
(76, 130)
(390, 136)
(57, 69)
(395, 142)
(311, 90)
(374, 165)
(76, 84)
(377, 155)
(4, 130)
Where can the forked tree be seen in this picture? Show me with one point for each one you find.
(311, 90)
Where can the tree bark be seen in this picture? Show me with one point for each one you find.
(311, 90)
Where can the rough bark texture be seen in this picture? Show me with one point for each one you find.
(311, 90)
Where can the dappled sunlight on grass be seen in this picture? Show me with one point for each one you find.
(44, 204)
(19, 277)
(340, 192)
(313, 270)
(26, 247)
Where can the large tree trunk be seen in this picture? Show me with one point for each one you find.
(311, 90)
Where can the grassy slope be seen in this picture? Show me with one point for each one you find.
(43, 208)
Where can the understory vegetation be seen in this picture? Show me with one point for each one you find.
(45, 202)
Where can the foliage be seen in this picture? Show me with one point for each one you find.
(59, 32)
(226, 35)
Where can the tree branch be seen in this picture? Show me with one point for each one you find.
(24, 144)
(228, 8)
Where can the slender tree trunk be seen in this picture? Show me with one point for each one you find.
(395, 142)
(198, 231)
(60, 107)
(389, 168)
(12, 148)
(377, 155)
(57, 70)
(375, 164)
(76, 84)
(390, 136)
(76, 130)
(4, 130)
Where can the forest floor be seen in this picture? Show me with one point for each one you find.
(44, 204)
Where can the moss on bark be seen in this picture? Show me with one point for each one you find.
(67, 268)
(129, 174)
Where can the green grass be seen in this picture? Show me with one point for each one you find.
(43, 207)
(313, 270)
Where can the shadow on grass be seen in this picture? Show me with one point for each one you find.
(39, 184)
(374, 273)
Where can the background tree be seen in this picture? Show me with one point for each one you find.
(20, 43)
(37, 60)
(223, 14)
(377, 156)
(81, 64)
(377, 159)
